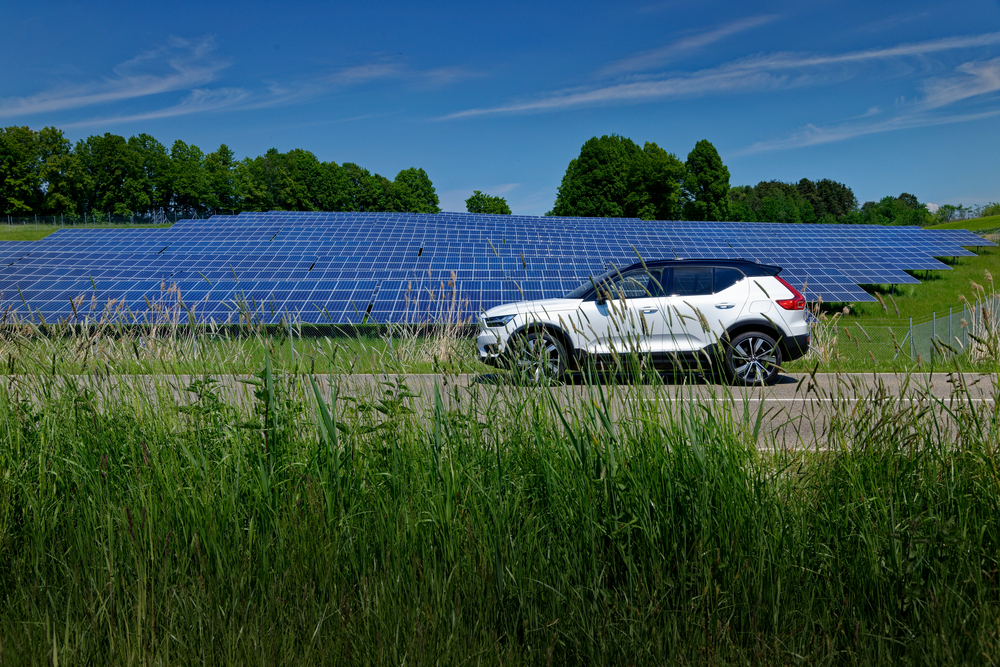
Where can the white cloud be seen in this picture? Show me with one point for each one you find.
(812, 135)
(758, 73)
(188, 65)
(973, 79)
(198, 101)
(646, 60)
(181, 64)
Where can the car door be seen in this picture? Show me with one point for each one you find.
(621, 317)
(704, 302)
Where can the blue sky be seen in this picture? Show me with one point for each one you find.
(883, 96)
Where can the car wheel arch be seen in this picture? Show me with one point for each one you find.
(758, 324)
(553, 330)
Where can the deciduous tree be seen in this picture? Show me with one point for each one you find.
(413, 191)
(706, 184)
(480, 202)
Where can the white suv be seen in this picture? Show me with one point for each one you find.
(694, 313)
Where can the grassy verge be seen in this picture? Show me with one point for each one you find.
(937, 292)
(505, 525)
(987, 223)
(40, 231)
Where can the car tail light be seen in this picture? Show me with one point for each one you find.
(797, 302)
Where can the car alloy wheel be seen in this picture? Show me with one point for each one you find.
(539, 357)
(753, 358)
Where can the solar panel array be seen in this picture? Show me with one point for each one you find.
(404, 267)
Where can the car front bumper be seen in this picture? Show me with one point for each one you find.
(488, 344)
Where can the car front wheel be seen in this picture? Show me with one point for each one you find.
(752, 358)
(538, 357)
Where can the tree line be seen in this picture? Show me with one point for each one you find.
(41, 172)
(614, 177)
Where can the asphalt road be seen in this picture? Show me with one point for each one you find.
(797, 411)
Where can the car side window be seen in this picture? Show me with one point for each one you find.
(726, 277)
(692, 281)
(637, 284)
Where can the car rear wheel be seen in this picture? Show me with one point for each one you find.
(538, 357)
(752, 358)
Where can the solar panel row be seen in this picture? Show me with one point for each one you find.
(336, 267)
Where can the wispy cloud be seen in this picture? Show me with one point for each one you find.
(190, 66)
(646, 60)
(198, 101)
(813, 135)
(179, 65)
(973, 79)
(758, 73)
(890, 22)
(969, 81)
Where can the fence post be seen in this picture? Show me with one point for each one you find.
(912, 350)
(933, 331)
(949, 324)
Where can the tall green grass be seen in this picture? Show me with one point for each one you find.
(290, 519)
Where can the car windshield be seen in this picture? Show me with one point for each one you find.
(587, 288)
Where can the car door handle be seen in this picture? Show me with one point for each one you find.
(648, 309)
(724, 305)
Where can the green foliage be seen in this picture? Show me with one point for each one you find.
(807, 201)
(901, 210)
(20, 185)
(42, 173)
(831, 201)
(413, 191)
(483, 203)
(613, 177)
(706, 184)
(312, 521)
(113, 177)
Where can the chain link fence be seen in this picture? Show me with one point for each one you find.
(971, 330)
(158, 217)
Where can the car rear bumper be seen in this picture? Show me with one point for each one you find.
(796, 346)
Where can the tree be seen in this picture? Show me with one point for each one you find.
(413, 191)
(902, 210)
(831, 201)
(596, 182)
(188, 183)
(654, 185)
(334, 192)
(220, 167)
(153, 162)
(113, 177)
(615, 178)
(61, 177)
(484, 203)
(706, 184)
(367, 191)
(20, 185)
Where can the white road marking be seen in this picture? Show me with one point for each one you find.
(813, 400)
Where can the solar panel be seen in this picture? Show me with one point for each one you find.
(405, 267)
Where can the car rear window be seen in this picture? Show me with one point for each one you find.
(726, 277)
(692, 280)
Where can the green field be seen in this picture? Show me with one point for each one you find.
(37, 232)
(988, 223)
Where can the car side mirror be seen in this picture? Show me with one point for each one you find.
(600, 299)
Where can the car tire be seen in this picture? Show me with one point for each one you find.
(538, 357)
(752, 358)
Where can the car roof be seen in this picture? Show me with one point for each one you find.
(748, 267)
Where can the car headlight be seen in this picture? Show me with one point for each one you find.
(498, 320)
